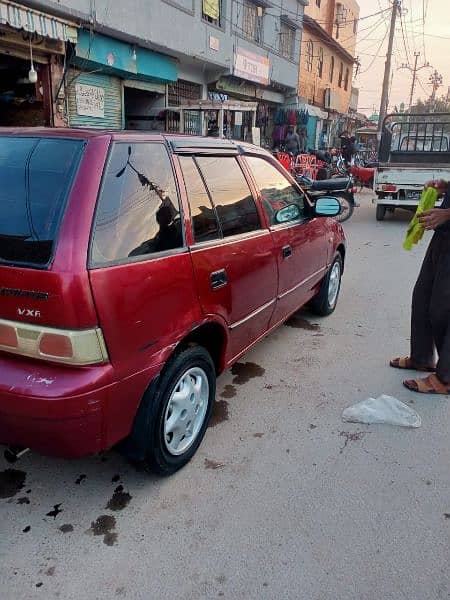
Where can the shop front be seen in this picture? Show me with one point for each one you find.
(113, 84)
(32, 50)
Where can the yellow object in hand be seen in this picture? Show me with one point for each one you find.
(415, 230)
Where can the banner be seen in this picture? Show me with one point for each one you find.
(211, 8)
(251, 66)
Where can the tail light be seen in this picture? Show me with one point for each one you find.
(74, 347)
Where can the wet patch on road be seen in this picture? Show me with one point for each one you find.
(299, 322)
(219, 413)
(351, 437)
(119, 500)
(229, 391)
(258, 435)
(55, 512)
(11, 482)
(243, 372)
(213, 464)
(80, 479)
(66, 528)
(104, 525)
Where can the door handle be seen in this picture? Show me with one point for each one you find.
(287, 251)
(218, 279)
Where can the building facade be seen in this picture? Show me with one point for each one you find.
(326, 67)
(218, 67)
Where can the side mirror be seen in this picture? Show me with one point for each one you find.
(327, 207)
(291, 212)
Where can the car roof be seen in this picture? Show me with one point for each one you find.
(178, 142)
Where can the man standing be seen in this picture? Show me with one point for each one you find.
(292, 141)
(430, 316)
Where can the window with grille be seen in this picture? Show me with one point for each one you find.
(309, 56)
(252, 21)
(341, 74)
(331, 69)
(320, 63)
(287, 41)
(347, 75)
(212, 12)
(182, 92)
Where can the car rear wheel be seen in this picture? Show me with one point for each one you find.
(180, 408)
(325, 302)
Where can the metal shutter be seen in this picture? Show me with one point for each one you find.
(113, 101)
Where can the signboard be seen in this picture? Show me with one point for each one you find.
(251, 66)
(90, 100)
(214, 43)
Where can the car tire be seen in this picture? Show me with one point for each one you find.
(381, 212)
(187, 389)
(325, 301)
(347, 208)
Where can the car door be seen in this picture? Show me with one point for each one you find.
(232, 253)
(300, 241)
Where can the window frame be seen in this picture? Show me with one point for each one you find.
(320, 62)
(90, 264)
(256, 21)
(306, 202)
(221, 21)
(331, 72)
(309, 55)
(346, 78)
(287, 52)
(341, 74)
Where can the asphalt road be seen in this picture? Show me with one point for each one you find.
(283, 499)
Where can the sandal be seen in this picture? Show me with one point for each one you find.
(428, 385)
(405, 362)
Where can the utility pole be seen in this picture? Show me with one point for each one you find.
(414, 72)
(387, 69)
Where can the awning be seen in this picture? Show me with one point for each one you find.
(20, 17)
(315, 111)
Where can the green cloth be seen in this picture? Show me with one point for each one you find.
(415, 230)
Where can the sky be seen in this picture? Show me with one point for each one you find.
(422, 22)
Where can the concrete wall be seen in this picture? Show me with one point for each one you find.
(176, 27)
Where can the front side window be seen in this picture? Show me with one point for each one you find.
(212, 12)
(252, 21)
(203, 216)
(276, 191)
(230, 194)
(138, 212)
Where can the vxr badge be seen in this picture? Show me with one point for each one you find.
(29, 312)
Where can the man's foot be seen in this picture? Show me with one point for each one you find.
(428, 385)
(405, 362)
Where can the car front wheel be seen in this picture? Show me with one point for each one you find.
(325, 302)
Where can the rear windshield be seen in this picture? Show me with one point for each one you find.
(36, 175)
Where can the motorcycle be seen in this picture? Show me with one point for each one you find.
(342, 188)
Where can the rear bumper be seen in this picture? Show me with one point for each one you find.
(65, 412)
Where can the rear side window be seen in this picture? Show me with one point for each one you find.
(138, 211)
(36, 176)
(203, 215)
(277, 192)
(230, 194)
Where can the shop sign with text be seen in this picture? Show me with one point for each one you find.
(251, 66)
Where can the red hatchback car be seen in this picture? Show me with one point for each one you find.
(134, 268)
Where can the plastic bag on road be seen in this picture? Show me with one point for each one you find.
(384, 409)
